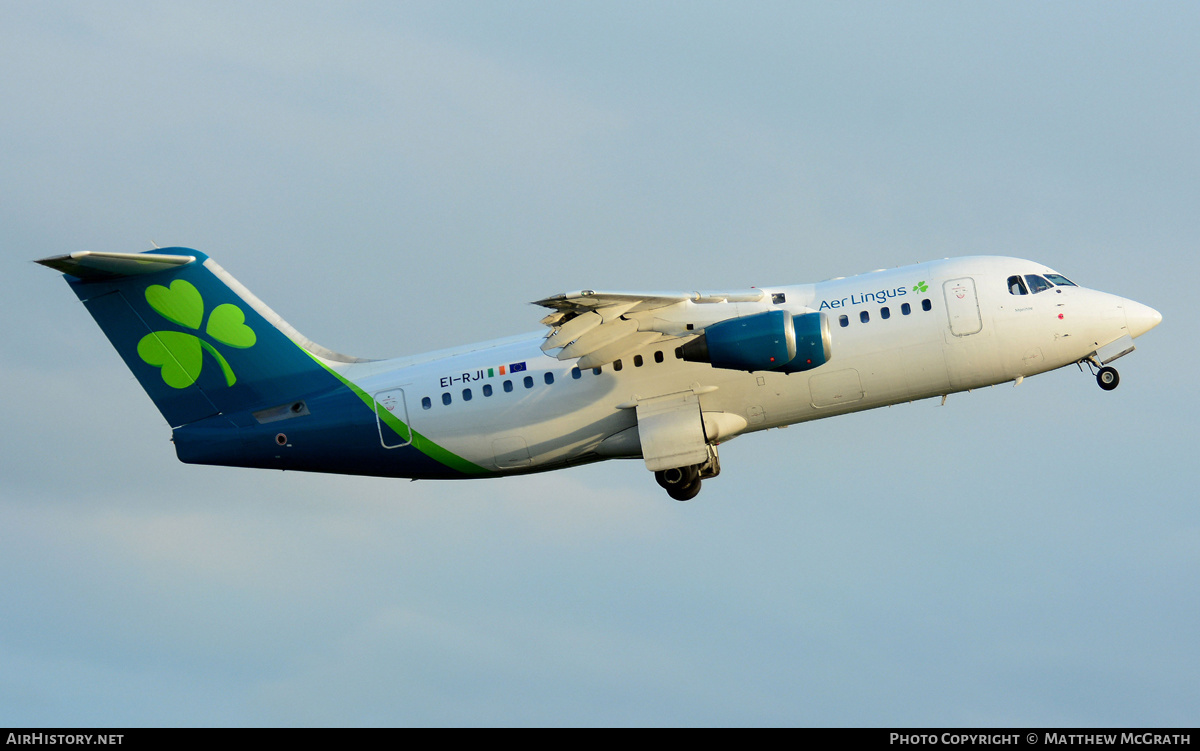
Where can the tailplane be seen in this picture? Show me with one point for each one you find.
(198, 341)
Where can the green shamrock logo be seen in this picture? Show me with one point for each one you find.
(181, 355)
(921, 287)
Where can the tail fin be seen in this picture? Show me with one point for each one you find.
(197, 340)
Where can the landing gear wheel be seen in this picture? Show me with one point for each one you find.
(681, 483)
(685, 493)
(1108, 378)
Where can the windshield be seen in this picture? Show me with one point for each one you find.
(1017, 283)
(1060, 280)
(1037, 284)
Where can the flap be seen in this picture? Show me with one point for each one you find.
(600, 327)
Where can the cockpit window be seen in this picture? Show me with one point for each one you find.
(1037, 284)
(1016, 286)
(1060, 280)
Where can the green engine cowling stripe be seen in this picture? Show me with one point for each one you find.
(419, 442)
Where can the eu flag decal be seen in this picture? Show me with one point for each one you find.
(516, 367)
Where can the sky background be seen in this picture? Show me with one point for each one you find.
(399, 177)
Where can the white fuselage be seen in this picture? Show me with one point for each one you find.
(896, 336)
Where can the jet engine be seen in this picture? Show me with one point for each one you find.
(775, 340)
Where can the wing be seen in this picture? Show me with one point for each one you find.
(599, 327)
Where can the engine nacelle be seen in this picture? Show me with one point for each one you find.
(812, 343)
(774, 340)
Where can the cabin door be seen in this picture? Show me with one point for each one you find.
(962, 306)
(391, 417)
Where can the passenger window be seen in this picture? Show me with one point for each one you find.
(1016, 286)
(426, 403)
(596, 371)
(637, 361)
(1060, 280)
(926, 305)
(679, 353)
(905, 308)
(617, 365)
(844, 321)
(864, 316)
(1037, 284)
(576, 373)
(528, 382)
(658, 357)
(885, 313)
(508, 386)
(446, 398)
(549, 378)
(487, 389)
(466, 395)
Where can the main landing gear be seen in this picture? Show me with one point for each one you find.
(683, 483)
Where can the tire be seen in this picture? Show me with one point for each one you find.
(681, 483)
(685, 492)
(1108, 378)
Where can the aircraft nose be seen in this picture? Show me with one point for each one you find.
(1140, 318)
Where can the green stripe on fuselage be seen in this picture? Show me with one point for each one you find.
(419, 442)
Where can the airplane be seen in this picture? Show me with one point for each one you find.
(661, 376)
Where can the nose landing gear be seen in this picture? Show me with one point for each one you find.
(1107, 377)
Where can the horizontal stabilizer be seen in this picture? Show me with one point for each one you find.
(90, 265)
